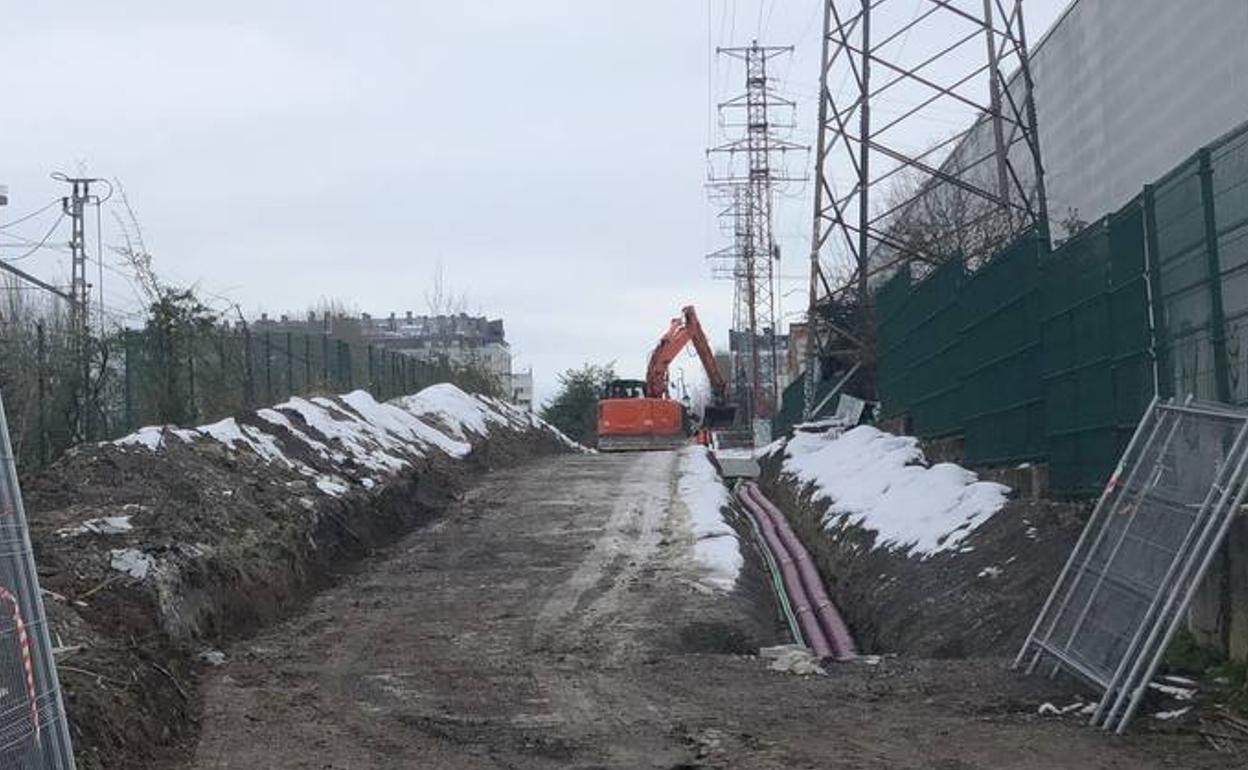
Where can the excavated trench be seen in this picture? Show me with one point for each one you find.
(232, 542)
(976, 601)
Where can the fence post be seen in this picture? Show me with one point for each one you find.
(190, 376)
(1162, 382)
(127, 338)
(87, 416)
(290, 363)
(307, 362)
(370, 384)
(223, 360)
(249, 365)
(268, 367)
(325, 383)
(41, 358)
(1217, 319)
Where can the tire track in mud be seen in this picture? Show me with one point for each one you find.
(588, 607)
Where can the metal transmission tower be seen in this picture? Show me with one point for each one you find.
(753, 338)
(893, 185)
(729, 263)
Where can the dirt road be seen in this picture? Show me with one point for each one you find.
(553, 619)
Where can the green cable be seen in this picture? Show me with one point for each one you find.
(777, 582)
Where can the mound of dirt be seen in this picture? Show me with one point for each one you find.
(976, 599)
(155, 549)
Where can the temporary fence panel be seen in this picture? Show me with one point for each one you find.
(34, 733)
(1149, 541)
(998, 354)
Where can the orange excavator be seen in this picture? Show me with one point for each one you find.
(639, 415)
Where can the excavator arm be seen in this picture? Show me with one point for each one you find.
(686, 329)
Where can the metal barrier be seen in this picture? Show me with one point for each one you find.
(34, 734)
(1143, 553)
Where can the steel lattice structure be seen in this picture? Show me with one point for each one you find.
(890, 187)
(753, 253)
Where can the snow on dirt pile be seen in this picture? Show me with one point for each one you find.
(462, 415)
(704, 494)
(879, 481)
(383, 438)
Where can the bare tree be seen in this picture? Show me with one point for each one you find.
(933, 221)
(440, 297)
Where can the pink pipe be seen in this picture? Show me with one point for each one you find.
(811, 628)
(830, 619)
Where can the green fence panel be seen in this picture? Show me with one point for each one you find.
(893, 325)
(999, 354)
(1181, 262)
(930, 352)
(1097, 365)
(1056, 355)
(1228, 188)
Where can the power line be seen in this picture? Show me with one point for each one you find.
(31, 215)
(42, 241)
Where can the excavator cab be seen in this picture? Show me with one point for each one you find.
(629, 421)
(625, 389)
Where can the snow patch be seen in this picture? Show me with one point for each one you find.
(151, 437)
(878, 481)
(1178, 693)
(332, 486)
(134, 563)
(705, 496)
(109, 525)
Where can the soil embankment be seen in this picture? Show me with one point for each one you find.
(977, 600)
(156, 551)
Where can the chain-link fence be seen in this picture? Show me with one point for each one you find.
(1144, 552)
(66, 391)
(34, 734)
(42, 369)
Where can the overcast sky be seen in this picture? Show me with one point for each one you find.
(549, 153)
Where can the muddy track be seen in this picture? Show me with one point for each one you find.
(548, 621)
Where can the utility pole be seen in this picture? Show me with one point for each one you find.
(74, 206)
(755, 251)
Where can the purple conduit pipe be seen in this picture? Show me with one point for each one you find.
(830, 620)
(806, 618)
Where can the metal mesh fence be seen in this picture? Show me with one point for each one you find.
(1144, 551)
(34, 734)
(144, 377)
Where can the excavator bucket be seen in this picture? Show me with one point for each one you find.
(719, 416)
